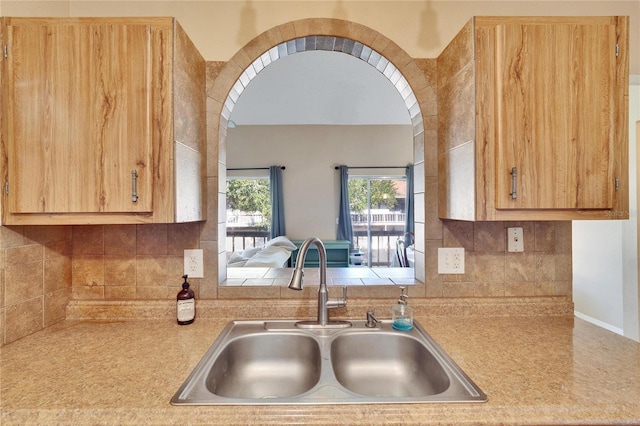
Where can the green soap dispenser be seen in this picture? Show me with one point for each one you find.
(402, 313)
(186, 304)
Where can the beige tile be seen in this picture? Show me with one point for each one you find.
(390, 292)
(151, 239)
(151, 271)
(269, 292)
(545, 267)
(23, 319)
(545, 288)
(175, 270)
(433, 226)
(563, 234)
(47, 233)
(564, 268)
(120, 292)
(154, 292)
(87, 271)
(12, 236)
(55, 304)
(23, 281)
(520, 267)
(120, 271)
(457, 234)
(88, 240)
(489, 236)
(210, 226)
(60, 248)
(489, 267)
(520, 289)
(545, 237)
(208, 290)
(434, 289)
(564, 288)
(57, 274)
(458, 289)
(87, 292)
(489, 289)
(24, 254)
(309, 292)
(209, 287)
(182, 236)
(120, 240)
(1, 292)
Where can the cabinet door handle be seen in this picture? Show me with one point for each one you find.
(134, 185)
(514, 183)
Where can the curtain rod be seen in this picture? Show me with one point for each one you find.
(254, 168)
(374, 167)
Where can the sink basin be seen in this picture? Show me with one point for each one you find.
(387, 365)
(275, 362)
(265, 366)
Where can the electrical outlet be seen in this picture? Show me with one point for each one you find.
(515, 240)
(193, 263)
(451, 260)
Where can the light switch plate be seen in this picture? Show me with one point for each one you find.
(515, 240)
(193, 263)
(451, 260)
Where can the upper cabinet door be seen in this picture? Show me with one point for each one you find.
(555, 115)
(79, 136)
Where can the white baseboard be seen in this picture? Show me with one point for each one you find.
(599, 323)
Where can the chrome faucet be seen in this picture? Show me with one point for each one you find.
(324, 302)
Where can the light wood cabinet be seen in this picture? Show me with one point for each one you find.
(102, 121)
(533, 119)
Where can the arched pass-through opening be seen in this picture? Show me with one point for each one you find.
(316, 34)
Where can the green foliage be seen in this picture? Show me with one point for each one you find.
(249, 195)
(383, 194)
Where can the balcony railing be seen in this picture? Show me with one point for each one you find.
(383, 241)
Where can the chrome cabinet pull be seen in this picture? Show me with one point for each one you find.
(514, 183)
(134, 185)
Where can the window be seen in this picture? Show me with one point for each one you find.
(248, 212)
(377, 215)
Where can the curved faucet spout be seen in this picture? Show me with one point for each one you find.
(298, 272)
(324, 303)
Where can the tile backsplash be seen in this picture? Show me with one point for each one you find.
(43, 267)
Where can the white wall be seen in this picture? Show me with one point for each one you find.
(605, 255)
(310, 154)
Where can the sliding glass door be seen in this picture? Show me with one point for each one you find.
(378, 217)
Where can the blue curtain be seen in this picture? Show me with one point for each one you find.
(277, 203)
(409, 226)
(345, 229)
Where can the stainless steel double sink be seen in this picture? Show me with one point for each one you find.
(275, 362)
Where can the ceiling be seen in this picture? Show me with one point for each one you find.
(320, 88)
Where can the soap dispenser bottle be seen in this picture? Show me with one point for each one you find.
(402, 313)
(186, 304)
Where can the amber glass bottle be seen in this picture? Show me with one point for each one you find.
(186, 304)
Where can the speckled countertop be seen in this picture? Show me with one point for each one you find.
(534, 369)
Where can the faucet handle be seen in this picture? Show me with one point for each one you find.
(338, 302)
